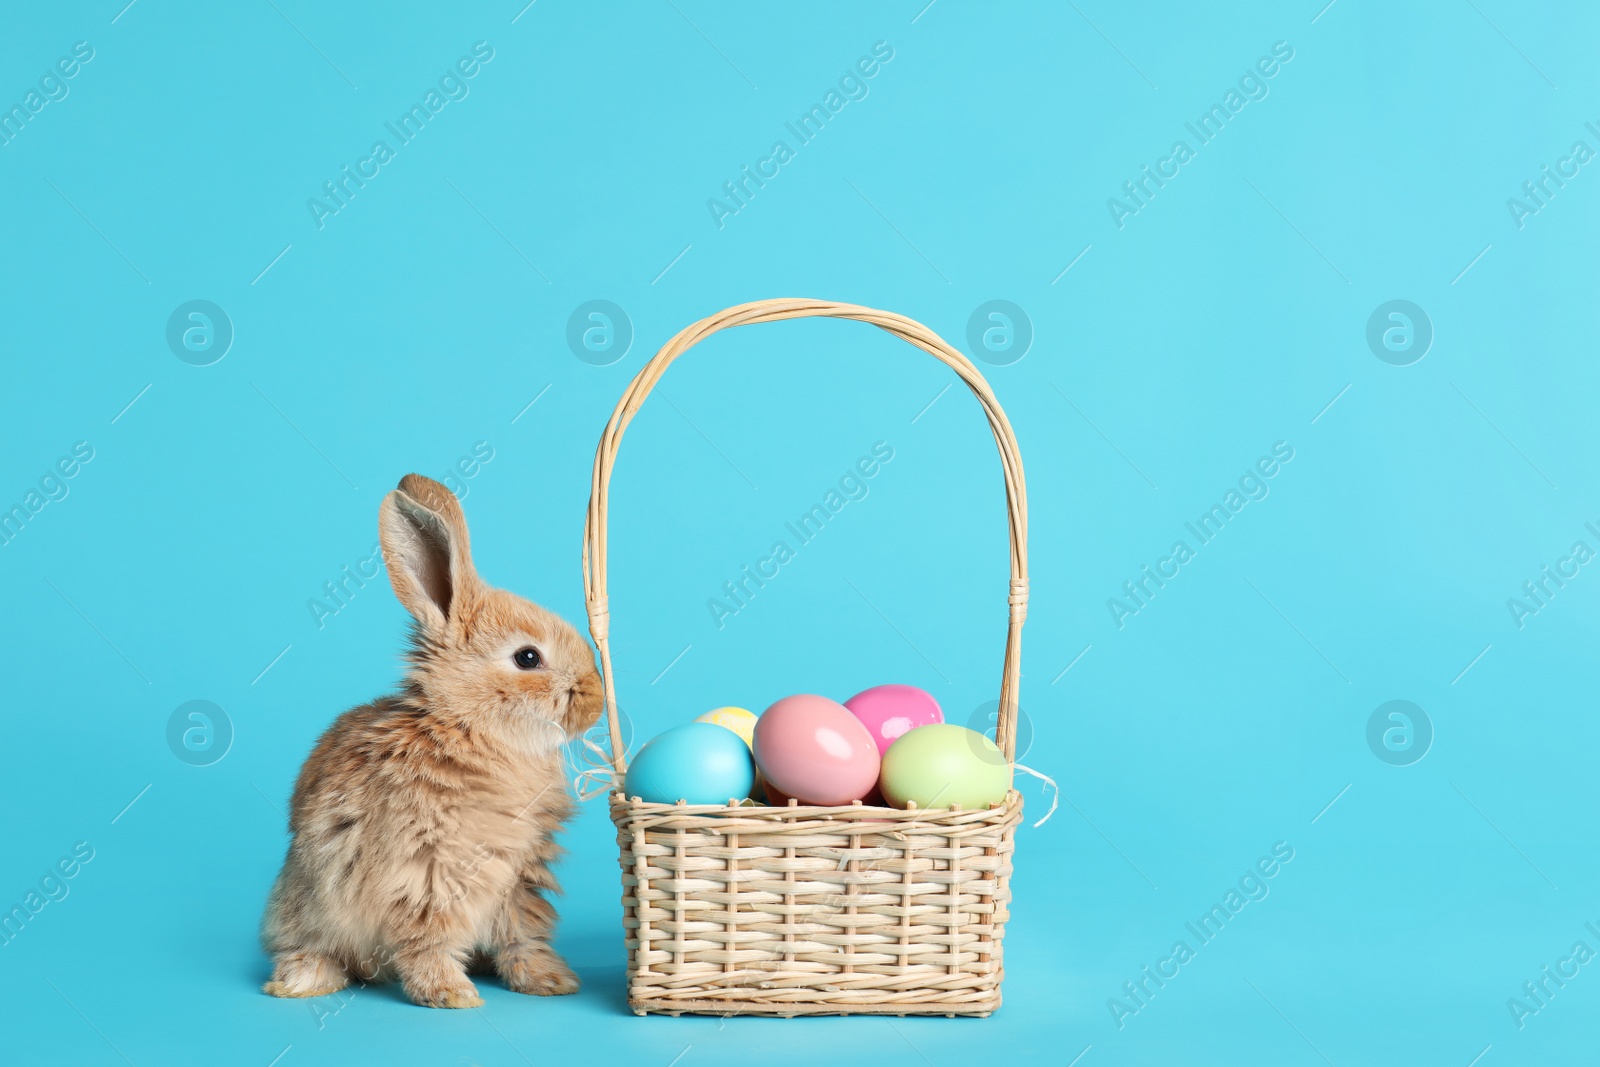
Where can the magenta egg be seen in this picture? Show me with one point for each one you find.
(888, 711)
(814, 750)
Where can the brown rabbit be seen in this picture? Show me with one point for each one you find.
(423, 824)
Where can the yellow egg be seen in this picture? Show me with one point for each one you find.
(738, 720)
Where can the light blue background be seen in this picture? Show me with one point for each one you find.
(1224, 317)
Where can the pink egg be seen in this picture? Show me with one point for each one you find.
(814, 750)
(887, 711)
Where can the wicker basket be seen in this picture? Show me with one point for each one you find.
(802, 910)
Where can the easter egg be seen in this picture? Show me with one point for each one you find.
(814, 750)
(698, 762)
(738, 720)
(942, 766)
(888, 711)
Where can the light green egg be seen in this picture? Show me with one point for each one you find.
(944, 765)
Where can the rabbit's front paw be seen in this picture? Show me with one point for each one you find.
(464, 995)
(537, 971)
(434, 979)
(305, 974)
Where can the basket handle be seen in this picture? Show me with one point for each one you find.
(908, 330)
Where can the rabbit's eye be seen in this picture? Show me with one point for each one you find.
(526, 659)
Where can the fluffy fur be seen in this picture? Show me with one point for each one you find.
(424, 823)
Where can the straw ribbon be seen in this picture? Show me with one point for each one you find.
(1019, 598)
(598, 777)
(600, 617)
(1055, 796)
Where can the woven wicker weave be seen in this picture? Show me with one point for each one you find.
(800, 910)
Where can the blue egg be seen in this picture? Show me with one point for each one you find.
(698, 762)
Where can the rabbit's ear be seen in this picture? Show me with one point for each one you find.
(425, 548)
